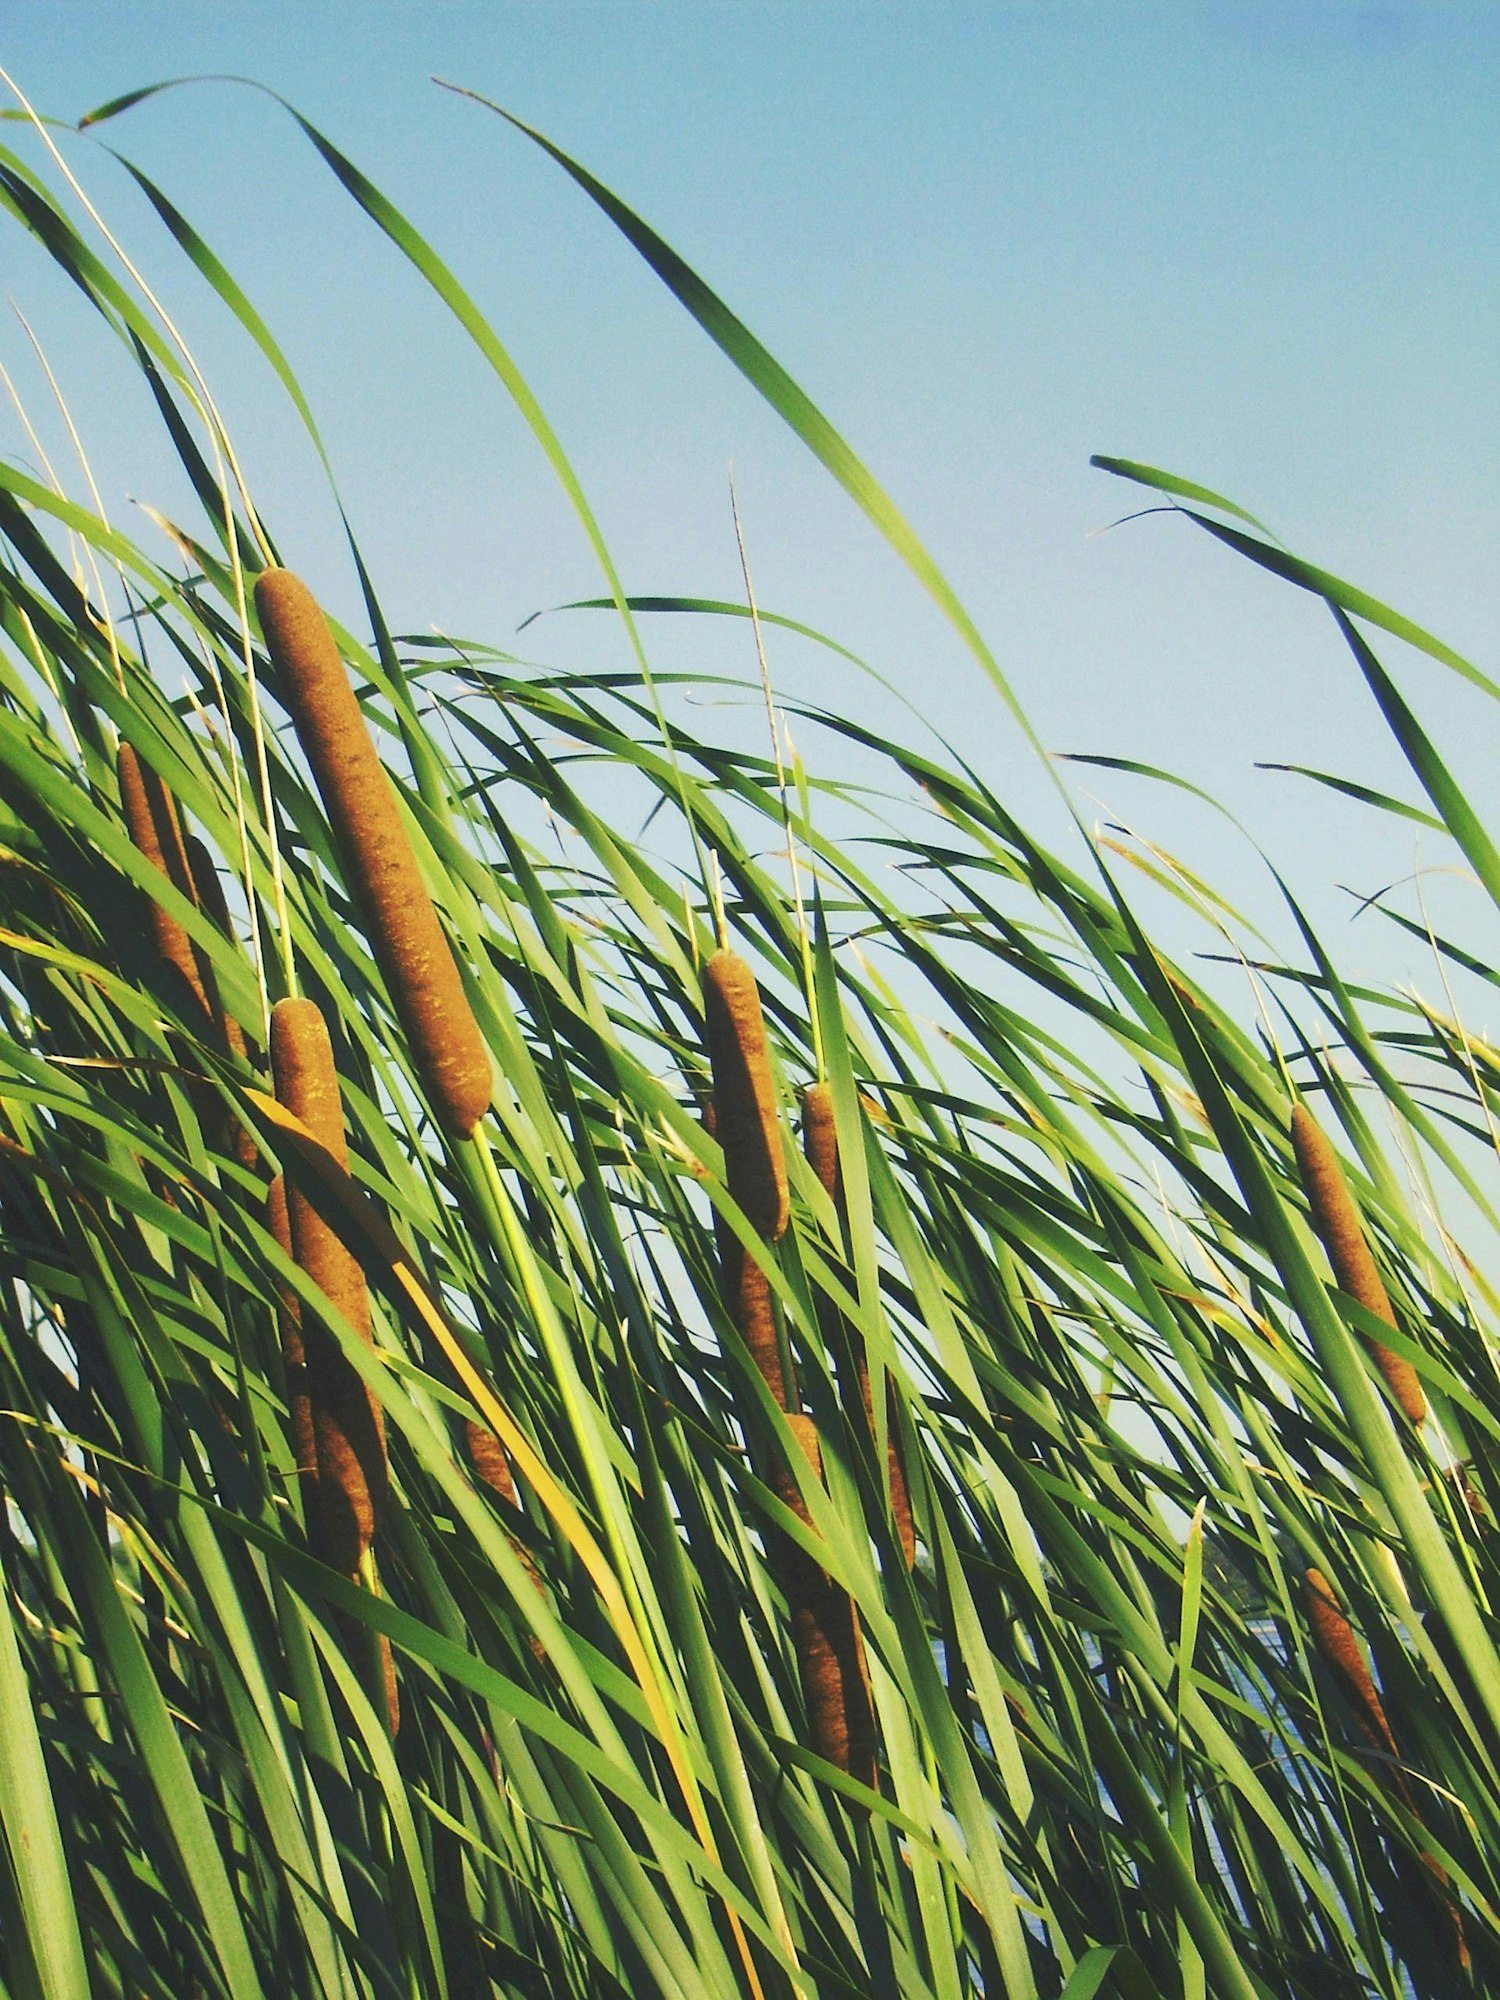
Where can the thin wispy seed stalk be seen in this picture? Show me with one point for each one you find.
(1337, 1222)
(408, 940)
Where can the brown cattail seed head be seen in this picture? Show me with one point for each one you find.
(825, 1636)
(1341, 1651)
(1336, 1219)
(487, 1456)
(294, 1361)
(747, 1293)
(820, 1140)
(749, 1128)
(151, 819)
(821, 1145)
(389, 1687)
(348, 1430)
(408, 940)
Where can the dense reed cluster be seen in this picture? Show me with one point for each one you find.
(490, 1513)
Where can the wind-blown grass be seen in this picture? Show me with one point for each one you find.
(1068, 1266)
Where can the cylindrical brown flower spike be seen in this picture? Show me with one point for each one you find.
(151, 818)
(293, 1358)
(743, 1118)
(492, 1469)
(748, 1127)
(826, 1637)
(1336, 1219)
(487, 1456)
(156, 831)
(821, 1145)
(407, 938)
(348, 1430)
(1341, 1651)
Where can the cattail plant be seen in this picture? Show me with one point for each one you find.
(745, 1121)
(408, 940)
(151, 820)
(1341, 1652)
(347, 1427)
(744, 1118)
(1337, 1222)
(825, 1634)
(820, 1144)
(487, 1456)
(155, 828)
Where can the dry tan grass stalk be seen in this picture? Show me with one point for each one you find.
(821, 1145)
(348, 1429)
(408, 940)
(1336, 1220)
(825, 1635)
(749, 1126)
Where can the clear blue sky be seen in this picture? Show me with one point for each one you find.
(1254, 243)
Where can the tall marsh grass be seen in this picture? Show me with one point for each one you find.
(947, 1631)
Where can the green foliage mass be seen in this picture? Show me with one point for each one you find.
(1134, 1408)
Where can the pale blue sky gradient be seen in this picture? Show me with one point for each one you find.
(1251, 243)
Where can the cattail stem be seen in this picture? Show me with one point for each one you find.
(408, 940)
(1336, 1220)
(820, 1143)
(745, 1120)
(347, 1426)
